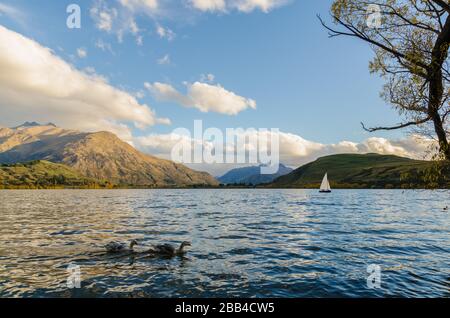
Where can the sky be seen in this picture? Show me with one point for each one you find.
(142, 68)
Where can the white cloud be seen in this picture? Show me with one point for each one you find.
(165, 33)
(165, 60)
(263, 5)
(82, 53)
(246, 6)
(103, 15)
(134, 5)
(13, 13)
(90, 70)
(8, 10)
(119, 16)
(207, 78)
(139, 94)
(294, 150)
(133, 27)
(209, 5)
(104, 46)
(140, 40)
(37, 84)
(120, 19)
(204, 97)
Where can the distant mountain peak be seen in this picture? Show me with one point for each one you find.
(251, 175)
(28, 124)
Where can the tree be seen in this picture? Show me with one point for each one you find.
(411, 40)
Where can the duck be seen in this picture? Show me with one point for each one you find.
(116, 247)
(446, 208)
(169, 250)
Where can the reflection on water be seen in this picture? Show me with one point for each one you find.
(245, 243)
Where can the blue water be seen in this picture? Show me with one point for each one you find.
(245, 243)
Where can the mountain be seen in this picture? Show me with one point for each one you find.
(44, 174)
(33, 124)
(32, 135)
(252, 175)
(100, 155)
(359, 171)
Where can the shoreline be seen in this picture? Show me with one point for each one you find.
(210, 188)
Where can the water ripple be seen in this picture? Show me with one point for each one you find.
(245, 243)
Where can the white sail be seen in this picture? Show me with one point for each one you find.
(325, 186)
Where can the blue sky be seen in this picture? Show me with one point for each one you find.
(303, 82)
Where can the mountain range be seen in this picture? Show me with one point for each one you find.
(98, 155)
(34, 155)
(252, 175)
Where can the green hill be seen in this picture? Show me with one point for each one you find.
(361, 171)
(44, 175)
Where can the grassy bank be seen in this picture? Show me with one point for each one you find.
(369, 171)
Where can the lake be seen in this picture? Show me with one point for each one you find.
(245, 243)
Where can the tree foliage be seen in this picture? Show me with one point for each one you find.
(410, 39)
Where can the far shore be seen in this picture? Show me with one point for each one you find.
(259, 187)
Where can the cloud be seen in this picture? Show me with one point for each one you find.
(294, 150)
(103, 16)
(245, 6)
(104, 46)
(209, 5)
(146, 5)
(165, 33)
(35, 83)
(82, 53)
(207, 78)
(205, 97)
(140, 40)
(165, 60)
(133, 27)
(263, 5)
(120, 19)
(13, 13)
(119, 16)
(90, 70)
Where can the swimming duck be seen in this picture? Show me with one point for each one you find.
(446, 208)
(116, 247)
(169, 250)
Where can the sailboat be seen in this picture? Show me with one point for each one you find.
(325, 186)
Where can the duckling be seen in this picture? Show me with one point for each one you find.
(169, 250)
(116, 247)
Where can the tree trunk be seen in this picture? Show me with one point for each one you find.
(442, 137)
(439, 55)
(435, 100)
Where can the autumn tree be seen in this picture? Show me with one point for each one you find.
(410, 39)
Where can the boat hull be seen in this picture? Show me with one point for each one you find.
(325, 191)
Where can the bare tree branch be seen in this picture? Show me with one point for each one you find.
(357, 33)
(442, 4)
(399, 126)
